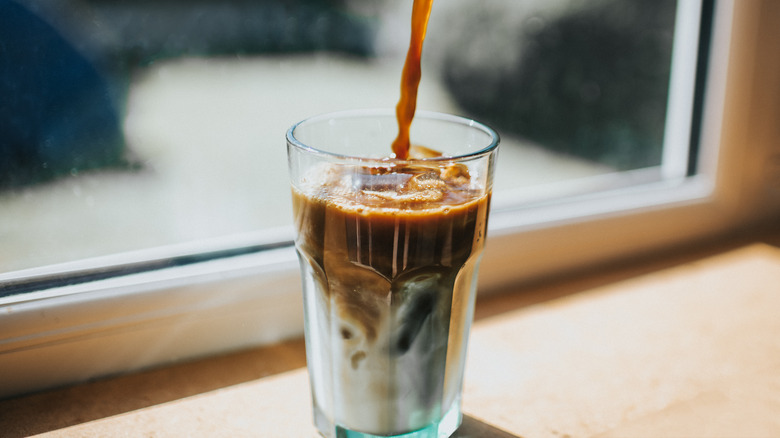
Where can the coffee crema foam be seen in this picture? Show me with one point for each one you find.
(392, 189)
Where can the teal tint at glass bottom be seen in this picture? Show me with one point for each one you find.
(442, 429)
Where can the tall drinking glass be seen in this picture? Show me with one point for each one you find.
(389, 251)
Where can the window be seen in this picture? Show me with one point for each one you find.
(144, 203)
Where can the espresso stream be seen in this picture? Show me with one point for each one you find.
(410, 77)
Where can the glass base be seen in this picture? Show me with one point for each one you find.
(444, 428)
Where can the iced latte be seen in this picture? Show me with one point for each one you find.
(389, 252)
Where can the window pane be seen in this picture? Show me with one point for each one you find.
(134, 124)
(585, 78)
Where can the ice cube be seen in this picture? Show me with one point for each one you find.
(420, 152)
(415, 294)
(456, 174)
(372, 182)
(425, 181)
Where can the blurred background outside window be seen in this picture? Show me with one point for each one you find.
(127, 125)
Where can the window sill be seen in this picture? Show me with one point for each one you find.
(623, 326)
(158, 317)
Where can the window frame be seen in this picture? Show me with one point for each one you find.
(117, 320)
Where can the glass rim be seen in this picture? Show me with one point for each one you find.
(387, 112)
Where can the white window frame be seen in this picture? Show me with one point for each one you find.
(120, 322)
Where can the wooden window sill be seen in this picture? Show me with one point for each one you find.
(685, 346)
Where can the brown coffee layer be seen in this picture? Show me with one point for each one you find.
(372, 234)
